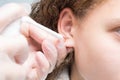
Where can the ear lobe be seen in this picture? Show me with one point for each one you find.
(66, 25)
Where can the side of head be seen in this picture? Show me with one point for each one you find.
(86, 28)
(62, 16)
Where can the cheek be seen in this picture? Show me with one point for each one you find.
(97, 56)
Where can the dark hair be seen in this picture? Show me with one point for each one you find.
(46, 12)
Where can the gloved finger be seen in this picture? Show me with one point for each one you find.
(31, 67)
(36, 33)
(11, 12)
(16, 48)
(44, 65)
(62, 52)
(51, 53)
(37, 66)
(8, 66)
(4, 58)
(12, 71)
(40, 35)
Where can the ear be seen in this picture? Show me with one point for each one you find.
(66, 25)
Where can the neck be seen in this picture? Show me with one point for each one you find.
(75, 74)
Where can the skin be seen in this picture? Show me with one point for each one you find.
(28, 51)
(96, 41)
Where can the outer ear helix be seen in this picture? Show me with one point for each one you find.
(65, 25)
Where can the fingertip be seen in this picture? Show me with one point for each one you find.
(49, 49)
(62, 51)
(24, 29)
(42, 62)
(33, 75)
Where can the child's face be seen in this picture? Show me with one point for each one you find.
(97, 43)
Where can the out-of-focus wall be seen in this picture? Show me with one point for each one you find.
(18, 1)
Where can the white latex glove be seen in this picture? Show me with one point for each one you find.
(45, 51)
(13, 50)
(49, 50)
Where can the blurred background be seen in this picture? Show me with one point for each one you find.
(18, 1)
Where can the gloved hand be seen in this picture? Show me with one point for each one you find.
(30, 55)
(13, 50)
(48, 50)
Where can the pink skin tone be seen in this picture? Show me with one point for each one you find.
(96, 40)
